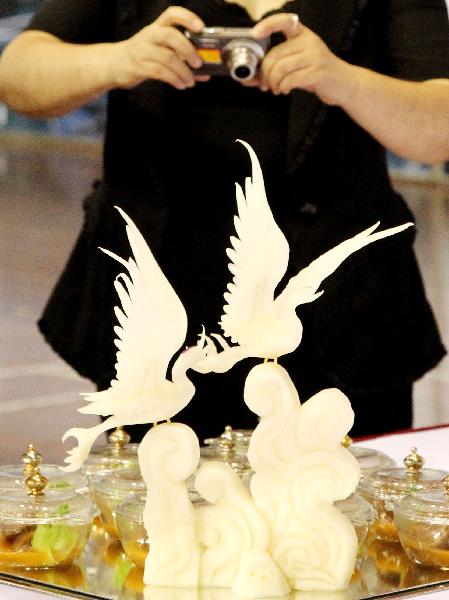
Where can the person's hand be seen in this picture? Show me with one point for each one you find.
(159, 51)
(302, 61)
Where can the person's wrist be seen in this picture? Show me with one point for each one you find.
(113, 56)
(341, 85)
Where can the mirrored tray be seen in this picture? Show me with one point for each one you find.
(104, 572)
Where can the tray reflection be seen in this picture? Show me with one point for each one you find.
(104, 571)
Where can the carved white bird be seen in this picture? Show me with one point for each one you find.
(260, 324)
(152, 327)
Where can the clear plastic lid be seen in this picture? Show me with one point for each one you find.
(99, 465)
(118, 453)
(357, 510)
(371, 460)
(118, 446)
(243, 437)
(121, 484)
(231, 447)
(240, 438)
(55, 506)
(234, 458)
(128, 452)
(12, 477)
(395, 483)
(425, 507)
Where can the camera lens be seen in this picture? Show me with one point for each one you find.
(242, 72)
(242, 58)
(242, 63)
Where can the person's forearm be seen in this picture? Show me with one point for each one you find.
(409, 118)
(41, 76)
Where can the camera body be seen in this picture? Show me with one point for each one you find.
(228, 51)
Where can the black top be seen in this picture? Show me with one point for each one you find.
(171, 162)
(408, 39)
(81, 22)
(412, 34)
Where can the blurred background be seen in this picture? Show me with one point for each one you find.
(45, 171)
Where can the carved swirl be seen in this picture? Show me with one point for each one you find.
(216, 482)
(270, 393)
(221, 527)
(317, 553)
(168, 455)
(259, 577)
(270, 496)
(269, 390)
(322, 476)
(229, 528)
(313, 429)
(169, 452)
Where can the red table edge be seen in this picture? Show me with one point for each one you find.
(399, 431)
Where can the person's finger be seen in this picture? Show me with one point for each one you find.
(172, 61)
(276, 54)
(178, 15)
(168, 59)
(304, 79)
(201, 78)
(286, 23)
(253, 82)
(160, 72)
(177, 41)
(284, 67)
(301, 43)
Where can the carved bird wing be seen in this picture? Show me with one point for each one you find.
(303, 287)
(152, 326)
(259, 258)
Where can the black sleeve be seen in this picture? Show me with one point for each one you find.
(76, 21)
(416, 39)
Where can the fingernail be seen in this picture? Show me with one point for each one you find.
(197, 62)
(197, 24)
(295, 22)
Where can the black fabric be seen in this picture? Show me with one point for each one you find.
(411, 35)
(171, 162)
(408, 54)
(80, 21)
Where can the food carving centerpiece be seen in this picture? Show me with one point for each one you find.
(284, 533)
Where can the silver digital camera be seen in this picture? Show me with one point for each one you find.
(228, 51)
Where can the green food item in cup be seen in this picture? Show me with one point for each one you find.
(57, 540)
(122, 568)
(57, 484)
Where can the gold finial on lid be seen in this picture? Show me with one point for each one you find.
(34, 480)
(31, 459)
(346, 441)
(36, 483)
(413, 462)
(226, 440)
(119, 438)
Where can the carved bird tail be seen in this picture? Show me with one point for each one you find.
(100, 403)
(86, 438)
